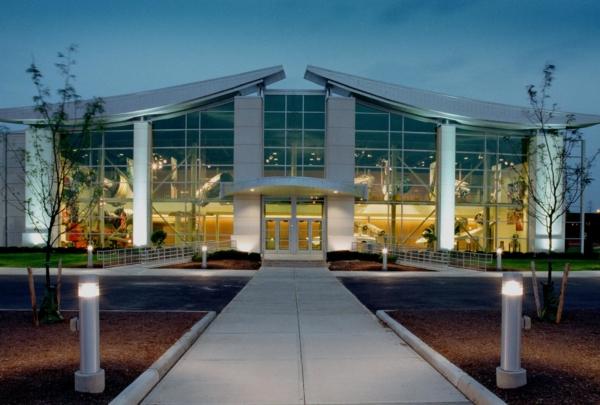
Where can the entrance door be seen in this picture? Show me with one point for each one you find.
(293, 226)
(309, 235)
(277, 234)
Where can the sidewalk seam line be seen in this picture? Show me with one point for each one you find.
(299, 339)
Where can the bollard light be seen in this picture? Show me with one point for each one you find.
(90, 256)
(204, 250)
(89, 377)
(510, 374)
(499, 259)
(384, 253)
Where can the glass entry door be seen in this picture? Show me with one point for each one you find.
(277, 234)
(293, 225)
(309, 235)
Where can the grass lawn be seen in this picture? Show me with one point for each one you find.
(36, 259)
(557, 264)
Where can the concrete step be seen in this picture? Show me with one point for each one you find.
(293, 263)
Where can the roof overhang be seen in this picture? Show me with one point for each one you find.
(167, 100)
(441, 107)
(288, 186)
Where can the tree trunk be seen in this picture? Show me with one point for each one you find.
(550, 256)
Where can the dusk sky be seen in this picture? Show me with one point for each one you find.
(481, 49)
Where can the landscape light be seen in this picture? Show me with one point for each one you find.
(384, 253)
(204, 250)
(90, 256)
(88, 290)
(499, 259)
(89, 377)
(510, 374)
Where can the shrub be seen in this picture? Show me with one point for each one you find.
(338, 255)
(230, 254)
(158, 237)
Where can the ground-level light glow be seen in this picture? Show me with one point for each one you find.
(512, 288)
(89, 290)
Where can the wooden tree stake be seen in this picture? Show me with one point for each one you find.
(59, 283)
(36, 321)
(536, 292)
(563, 290)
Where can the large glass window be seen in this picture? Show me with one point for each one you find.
(294, 135)
(395, 158)
(394, 155)
(192, 154)
(491, 200)
(107, 154)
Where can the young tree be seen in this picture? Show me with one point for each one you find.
(554, 179)
(54, 176)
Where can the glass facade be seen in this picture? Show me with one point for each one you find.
(491, 201)
(108, 156)
(294, 135)
(395, 157)
(192, 154)
(395, 160)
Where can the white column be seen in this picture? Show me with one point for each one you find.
(142, 208)
(247, 165)
(339, 139)
(445, 197)
(339, 167)
(340, 222)
(38, 184)
(546, 192)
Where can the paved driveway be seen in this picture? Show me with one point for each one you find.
(440, 292)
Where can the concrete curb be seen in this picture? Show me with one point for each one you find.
(141, 386)
(466, 384)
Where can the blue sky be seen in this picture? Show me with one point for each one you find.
(488, 50)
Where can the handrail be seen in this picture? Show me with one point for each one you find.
(151, 255)
(431, 258)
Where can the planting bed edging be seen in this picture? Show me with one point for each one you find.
(466, 384)
(141, 386)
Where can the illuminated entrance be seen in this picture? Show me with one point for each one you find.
(293, 226)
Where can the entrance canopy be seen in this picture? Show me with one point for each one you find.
(288, 186)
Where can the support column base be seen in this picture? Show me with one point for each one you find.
(510, 379)
(92, 383)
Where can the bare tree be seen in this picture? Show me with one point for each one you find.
(54, 176)
(554, 179)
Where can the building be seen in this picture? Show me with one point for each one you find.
(294, 172)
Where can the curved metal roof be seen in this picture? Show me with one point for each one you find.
(442, 106)
(160, 101)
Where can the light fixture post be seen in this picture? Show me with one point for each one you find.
(384, 254)
(499, 259)
(90, 256)
(89, 377)
(204, 251)
(510, 374)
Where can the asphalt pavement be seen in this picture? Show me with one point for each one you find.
(133, 293)
(212, 293)
(439, 292)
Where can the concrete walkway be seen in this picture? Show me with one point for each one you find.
(297, 336)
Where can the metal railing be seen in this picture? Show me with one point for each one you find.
(154, 255)
(431, 259)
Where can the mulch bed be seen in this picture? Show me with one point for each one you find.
(365, 265)
(222, 264)
(562, 361)
(37, 365)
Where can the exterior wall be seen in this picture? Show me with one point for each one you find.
(339, 166)
(247, 161)
(544, 188)
(12, 217)
(37, 146)
(142, 214)
(445, 196)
